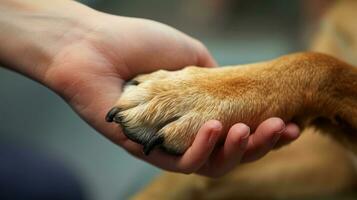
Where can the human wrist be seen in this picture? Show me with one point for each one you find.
(33, 32)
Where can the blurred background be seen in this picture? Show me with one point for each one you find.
(34, 119)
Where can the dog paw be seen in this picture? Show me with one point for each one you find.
(166, 109)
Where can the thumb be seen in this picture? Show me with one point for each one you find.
(204, 57)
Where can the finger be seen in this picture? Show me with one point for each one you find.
(195, 156)
(230, 154)
(264, 139)
(202, 147)
(204, 57)
(291, 133)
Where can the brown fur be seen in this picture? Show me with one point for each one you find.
(315, 90)
(309, 88)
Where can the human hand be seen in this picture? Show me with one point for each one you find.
(89, 55)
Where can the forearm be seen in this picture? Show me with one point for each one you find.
(32, 32)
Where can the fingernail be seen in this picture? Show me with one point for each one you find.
(277, 135)
(244, 139)
(215, 129)
(213, 136)
(282, 130)
(275, 139)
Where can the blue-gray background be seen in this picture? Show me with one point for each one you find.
(33, 116)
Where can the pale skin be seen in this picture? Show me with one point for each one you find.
(85, 56)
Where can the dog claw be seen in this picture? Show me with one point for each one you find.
(111, 114)
(152, 143)
(132, 82)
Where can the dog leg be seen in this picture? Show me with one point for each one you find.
(166, 109)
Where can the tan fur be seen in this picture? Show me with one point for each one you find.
(338, 32)
(310, 88)
(313, 89)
